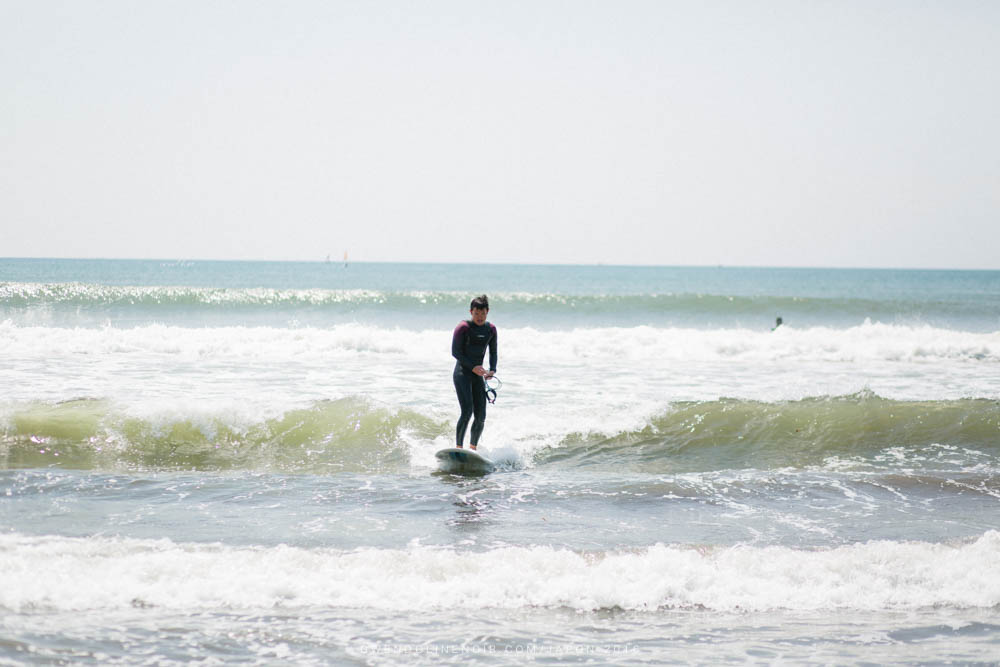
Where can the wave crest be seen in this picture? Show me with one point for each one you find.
(733, 434)
(349, 434)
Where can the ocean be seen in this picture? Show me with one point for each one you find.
(233, 462)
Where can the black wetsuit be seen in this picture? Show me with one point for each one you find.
(468, 346)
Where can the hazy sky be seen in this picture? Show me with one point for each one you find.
(738, 133)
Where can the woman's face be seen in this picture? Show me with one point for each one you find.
(479, 315)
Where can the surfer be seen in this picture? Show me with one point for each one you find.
(468, 345)
(777, 323)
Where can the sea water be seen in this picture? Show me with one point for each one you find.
(234, 462)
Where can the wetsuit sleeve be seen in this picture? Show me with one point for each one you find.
(457, 340)
(493, 349)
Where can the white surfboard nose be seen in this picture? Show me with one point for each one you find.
(463, 461)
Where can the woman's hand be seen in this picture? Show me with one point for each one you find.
(479, 370)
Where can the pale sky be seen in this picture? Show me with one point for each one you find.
(830, 133)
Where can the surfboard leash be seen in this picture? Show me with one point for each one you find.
(491, 392)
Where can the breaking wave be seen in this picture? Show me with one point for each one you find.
(355, 434)
(349, 434)
(733, 433)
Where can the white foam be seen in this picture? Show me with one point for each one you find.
(103, 573)
(870, 341)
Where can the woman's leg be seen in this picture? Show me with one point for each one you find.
(478, 391)
(463, 387)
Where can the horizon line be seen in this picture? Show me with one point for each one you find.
(502, 263)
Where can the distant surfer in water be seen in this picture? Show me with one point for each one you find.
(468, 346)
(777, 323)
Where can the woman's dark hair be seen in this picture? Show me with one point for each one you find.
(480, 303)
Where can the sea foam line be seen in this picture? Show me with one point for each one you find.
(59, 573)
(870, 341)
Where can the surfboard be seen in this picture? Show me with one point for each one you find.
(463, 462)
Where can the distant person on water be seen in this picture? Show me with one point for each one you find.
(468, 345)
(777, 323)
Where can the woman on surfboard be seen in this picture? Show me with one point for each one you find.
(468, 345)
